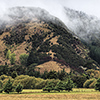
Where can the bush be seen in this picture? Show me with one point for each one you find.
(19, 88)
(8, 87)
(97, 85)
(21, 77)
(23, 59)
(69, 85)
(1, 90)
(60, 86)
(14, 74)
(50, 86)
(12, 58)
(8, 55)
(27, 82)
(88, 82)
(92, 85)
(3, 77)
(40, 83)
(1, 84)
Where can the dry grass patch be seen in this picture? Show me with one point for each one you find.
(60, 96)
(52, 65)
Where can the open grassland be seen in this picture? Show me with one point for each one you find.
(76, 94)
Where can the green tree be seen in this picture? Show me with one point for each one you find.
(88, 82)
(8, 55)
(14, 74)
(50, 86)
(69, 85)
(32, 58)
(1, 83)
(60, 86)
(52, 75)
(23, 59)
(1, 90)
(12, 58)
(97, 85)
(62, 74)
(19, 88)
(8, 87)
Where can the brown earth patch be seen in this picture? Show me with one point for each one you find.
(52, 65)
(51, 96)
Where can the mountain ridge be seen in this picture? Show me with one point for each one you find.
(86, 27)
(44, 41)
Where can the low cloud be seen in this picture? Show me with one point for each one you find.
(54, 7)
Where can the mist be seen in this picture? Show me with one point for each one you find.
(54, 7)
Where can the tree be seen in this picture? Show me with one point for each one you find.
(88, 82)
(60, 86)
(23, 59)
(19, 88)
(8, 55)
(62, 74)
(52, 75)
(14, 74)
(12, 58)
(97, 85)
(32, 58)
(69, 85)
(8, 87)
(1, 83)
(50, 86)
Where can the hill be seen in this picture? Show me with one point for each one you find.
(45, 39)
(86, 27)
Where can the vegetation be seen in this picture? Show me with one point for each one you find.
(41, 44)
(97, 85)
(23, 59)
(19, 88)
(8, 55)
(95, 53)
(8, 87)
(88, 83)
(12, 58)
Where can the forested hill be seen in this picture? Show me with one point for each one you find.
(30, 43)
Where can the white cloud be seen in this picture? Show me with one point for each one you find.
(55, 7)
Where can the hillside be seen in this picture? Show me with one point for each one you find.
(86, 27)
(47, 42)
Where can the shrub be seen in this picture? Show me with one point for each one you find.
(23, 59)
(14, 74)
(60, 86)
(12, 58)
(1, 84)
(97, 85)
(50, 86)
(21, 77)
(8, 87)
(1, 90)
(19, 88)
(40, 83)
(27, 82)
(92, 85)
(8, 55)
(69, 85)
(3, 77)
(88, 82)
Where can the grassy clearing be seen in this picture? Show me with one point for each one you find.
(76, 94)
(75, 90)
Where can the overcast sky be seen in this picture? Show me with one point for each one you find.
(91, 7)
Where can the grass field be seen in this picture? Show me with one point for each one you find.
(76, 94)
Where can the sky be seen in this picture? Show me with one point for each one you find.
(55, 7)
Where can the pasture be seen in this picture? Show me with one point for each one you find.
(76, 94)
